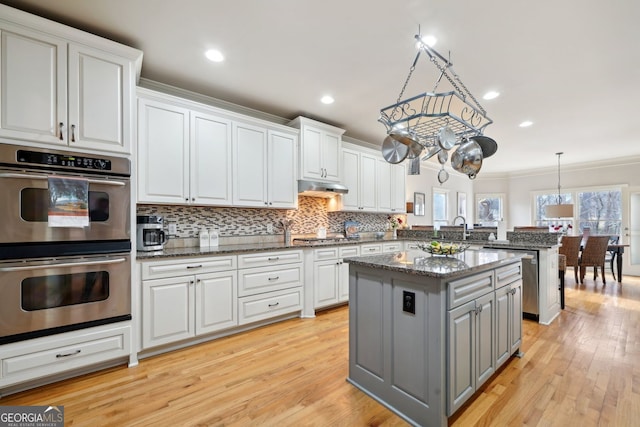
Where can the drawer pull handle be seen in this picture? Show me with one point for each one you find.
(273, 278)
(274, 305)
(194, 266)
(73, 353)
(275, 258)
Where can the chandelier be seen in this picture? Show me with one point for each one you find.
(437, 122)
(560, 210)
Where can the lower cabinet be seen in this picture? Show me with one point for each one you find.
(181, 305)
(44, 357)
(331, 275)
(508, 312)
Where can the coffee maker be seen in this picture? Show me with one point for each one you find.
(151, 236)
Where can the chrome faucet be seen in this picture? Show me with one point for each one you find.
(464, 226)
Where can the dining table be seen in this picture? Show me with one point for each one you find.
(616, 250)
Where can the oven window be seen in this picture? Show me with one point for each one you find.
(39, 293)
(34, 205)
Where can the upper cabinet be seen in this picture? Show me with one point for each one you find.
(391, 187)
(320, 150)
(64, 87)
(359, 176)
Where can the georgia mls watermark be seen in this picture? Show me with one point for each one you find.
(31, 416)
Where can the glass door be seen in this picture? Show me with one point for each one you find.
(631, 234)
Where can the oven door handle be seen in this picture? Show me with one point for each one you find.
(29, 176)
(63, 264)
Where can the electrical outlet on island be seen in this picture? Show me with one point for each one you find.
(270, 228)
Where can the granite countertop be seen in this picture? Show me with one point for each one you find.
(419, 263)
(194, 251)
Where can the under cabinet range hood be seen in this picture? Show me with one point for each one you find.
(320, 189)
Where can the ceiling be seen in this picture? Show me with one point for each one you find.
(568, 66)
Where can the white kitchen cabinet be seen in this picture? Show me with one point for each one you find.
(264, 172)
(63, 92)
(390, 181)
(359, 176)
(184, 155)
(270, 285)
(320, 150)
(370, 248)
(331, 275)
(187, 298)
(392, 247)
(343, 285)
(508, 297)
(39, 358)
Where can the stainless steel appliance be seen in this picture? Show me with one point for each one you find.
(151, 236)
(59, 278)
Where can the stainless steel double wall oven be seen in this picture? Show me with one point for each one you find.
(57, 279)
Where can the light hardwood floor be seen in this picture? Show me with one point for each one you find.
(583, 370)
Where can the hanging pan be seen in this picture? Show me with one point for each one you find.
(394, 151)
(488, 145)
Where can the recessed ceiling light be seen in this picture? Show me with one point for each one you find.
(214, 55)
(525, 124)
(327, 99)
(428, 40)
(492, 94)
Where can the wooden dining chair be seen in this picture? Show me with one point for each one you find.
(609, 256)
(562, 267)
(570, 248)
(593, 255)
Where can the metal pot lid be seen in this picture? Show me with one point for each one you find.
(446, 138)
(443, 155)
(488, 145)
(393, 151)
(443, 176)
(403, 136)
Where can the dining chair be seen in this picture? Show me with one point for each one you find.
(593, 256)
(562, 267)
(611, 255)
(570, 248)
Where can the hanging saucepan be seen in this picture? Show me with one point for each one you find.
(446, 138)
(488, 145)
(394, 151)
(415, 149)
(403, 136)
(467, 159)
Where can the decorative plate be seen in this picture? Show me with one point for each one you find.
(442, 248)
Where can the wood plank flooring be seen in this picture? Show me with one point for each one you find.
(583, 370)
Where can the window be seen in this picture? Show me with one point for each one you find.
(440, 207)
(489, 209)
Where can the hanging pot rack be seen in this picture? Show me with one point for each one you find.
(423, 118)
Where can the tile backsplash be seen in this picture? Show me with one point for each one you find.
(312, 213)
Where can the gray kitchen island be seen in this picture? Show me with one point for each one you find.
(425, 332)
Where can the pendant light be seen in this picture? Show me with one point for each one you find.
(560, 210)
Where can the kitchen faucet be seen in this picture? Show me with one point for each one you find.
(464, 226)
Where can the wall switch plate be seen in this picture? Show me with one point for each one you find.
(270, 228)
(409, 302)
(173, 229)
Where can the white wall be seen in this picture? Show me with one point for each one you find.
(519, 187)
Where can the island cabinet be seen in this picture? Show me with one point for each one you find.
(320, 150)
(64, 87)
(186, 298)
(425, 332)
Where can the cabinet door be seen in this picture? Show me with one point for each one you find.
(503, 313)
(331, 156)
(167, 310)
(33, 86)
(383, 173)
(100, 91)
(367, 183)
(350, 178)
(210, 160)
(163, 152)
(515, 324)
(325, 278)
(343, 285)
(485, 338)
(461, 355)
(398, 189)
(281, 170)
(250, 165)
(216, 302)
(311, 153)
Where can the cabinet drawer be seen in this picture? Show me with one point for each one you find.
(173, 268)
(508, 274)
(264, 306)
(325, 253)
(259, 280)
(469, 288)
(391, 247)
(348, 251)
(47, 356)
(371, 249)
(264, 259)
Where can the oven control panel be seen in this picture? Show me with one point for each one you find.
(70, 161)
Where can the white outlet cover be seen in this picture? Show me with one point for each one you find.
(173, 228)
(269, 228)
